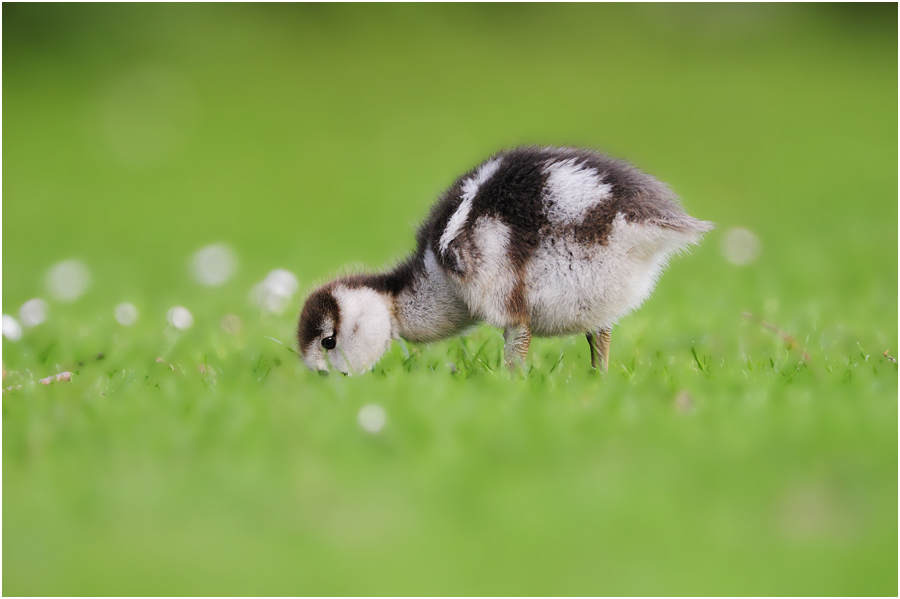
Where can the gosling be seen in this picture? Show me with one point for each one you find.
(540, 242)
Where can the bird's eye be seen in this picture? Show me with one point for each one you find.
(329, 342)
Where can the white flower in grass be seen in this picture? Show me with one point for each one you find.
(262, 298)
(371, 418)
(33, 312)
(214, 264)
(126, 314)
(282, 282)
(12, 330)
(275, 292)
(66, 281)
(180, 317)
(740, 246)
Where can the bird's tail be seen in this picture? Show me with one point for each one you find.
(687, 225)
(682, 231)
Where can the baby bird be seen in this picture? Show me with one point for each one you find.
(536, 241)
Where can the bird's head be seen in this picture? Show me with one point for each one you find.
(344, 326)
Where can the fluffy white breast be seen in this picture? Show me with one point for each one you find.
(574, 287)
(490, 277)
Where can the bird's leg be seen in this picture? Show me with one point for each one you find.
(599, 343)
(515, 348)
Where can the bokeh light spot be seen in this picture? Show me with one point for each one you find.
(66, 281)
(214, 264)
(372, 418)
(33, 312)
(180, 317)
(740, 246)
(126, 314)
(12, 330)
(275, 293)
(283, 282)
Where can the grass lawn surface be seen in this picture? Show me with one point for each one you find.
(744, 441)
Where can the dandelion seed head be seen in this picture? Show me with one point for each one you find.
(740, 246)
(282, 282)
(126, 314)
(180, 317)
(274, 293)
(33, 312)
(12, 330)
(371, 418)
(66, 281)
(213, 265)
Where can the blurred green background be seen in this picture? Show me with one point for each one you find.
(311, 137)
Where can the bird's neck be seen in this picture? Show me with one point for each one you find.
(425, 302)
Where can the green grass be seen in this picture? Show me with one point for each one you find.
(712, 459)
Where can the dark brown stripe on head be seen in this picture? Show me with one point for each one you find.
(319, 306)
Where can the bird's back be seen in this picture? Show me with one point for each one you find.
(532, 221)
(544, 191)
